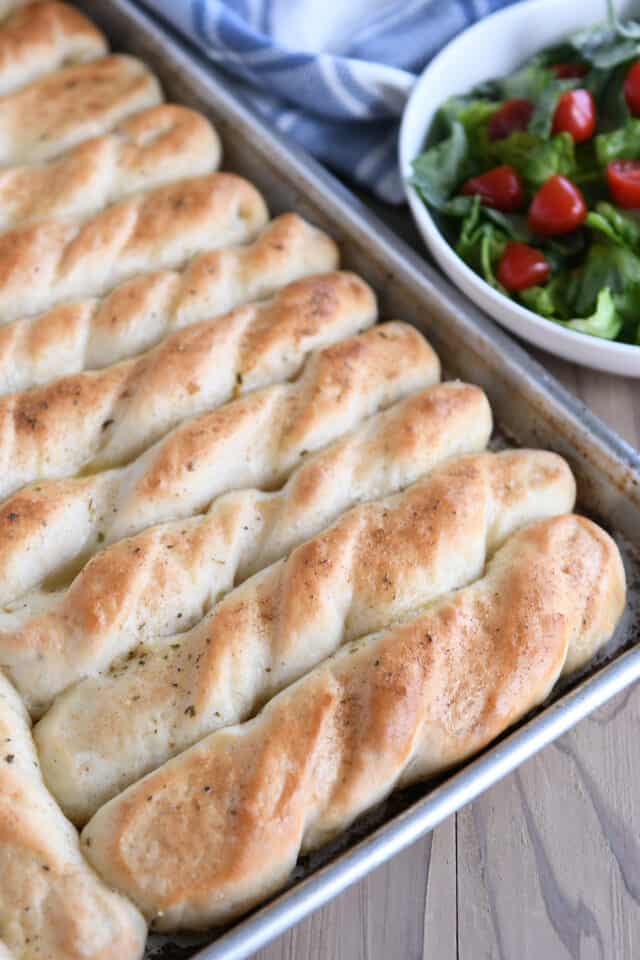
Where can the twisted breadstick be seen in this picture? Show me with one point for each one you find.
(220, 827)
(98, 420)
(44, 37)
(63, 108)
(156, 146)
(92, 334)
(52, 905)
(44, 263)
(166, 578)
(257, 440)
(376, 563)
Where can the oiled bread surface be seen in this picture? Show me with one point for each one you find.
(167, 577)
(43, 37)
(106, 418)
(384, 712)
(373, 565)
(155, 146)
(257, 440)
(45, 263)
(63, 108)
(92, 334)
(52, 905)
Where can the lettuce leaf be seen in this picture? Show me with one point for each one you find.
(482, 242)
(439, 170)
(622, 228)
(623, 143)
(605, 321)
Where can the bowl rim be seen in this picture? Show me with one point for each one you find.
(440, 247)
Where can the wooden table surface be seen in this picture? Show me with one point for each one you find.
(545, 865)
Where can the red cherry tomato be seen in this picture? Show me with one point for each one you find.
(522, 266)
(632, 88)
(500, 187)
(575, 114)
(557, 207)
(567, 71)
(512, 115)
(623, 177)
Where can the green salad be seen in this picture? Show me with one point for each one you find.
(535, 181)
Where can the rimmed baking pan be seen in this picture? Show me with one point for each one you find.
(530, 408)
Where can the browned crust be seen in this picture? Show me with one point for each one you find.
(163, 580)
(252, 441)
(70, 105)
(153, 147)
(43, 37)
(103, 419)
(264, 434)
(377, 563)
(220, 827)
(45, 263)
(92, 334)
(52, 903)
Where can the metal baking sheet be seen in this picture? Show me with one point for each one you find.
(530, 408)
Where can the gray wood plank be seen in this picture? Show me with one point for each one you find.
(385, 915)
(549, 859)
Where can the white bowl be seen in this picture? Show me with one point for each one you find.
(491, 48)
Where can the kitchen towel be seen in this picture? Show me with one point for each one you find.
(332, 74)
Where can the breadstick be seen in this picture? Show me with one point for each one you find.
(374, 565)
(258, 440)
(151, 148)
(92, 334)
(44, 37)
(165, 579)
(44, 263)
(97, 420)
(220, 827)
(59, 110)
(52, 905)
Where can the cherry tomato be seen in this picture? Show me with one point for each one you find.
(522, 266)
(500, 187)
(566, 71)
(575, 114)
(632, 88)
(512, 115)
(623, 177)
(557, 207)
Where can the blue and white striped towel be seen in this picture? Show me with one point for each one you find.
(332, 74)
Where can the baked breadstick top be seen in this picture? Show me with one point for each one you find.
(153, 147)
(43, 37)
(51, 903)
(63, 108)
(220, 827)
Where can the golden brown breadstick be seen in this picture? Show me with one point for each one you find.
(375, 565)
(92, 334)
(386, 711)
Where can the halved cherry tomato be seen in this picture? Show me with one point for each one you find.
(632, 88)
(566, 71)
(575, 114)
(500, 187)
(557, 207)
(522, 266)
(623, 177)
(512, 115)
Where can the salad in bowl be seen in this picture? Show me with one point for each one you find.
(534, 179)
